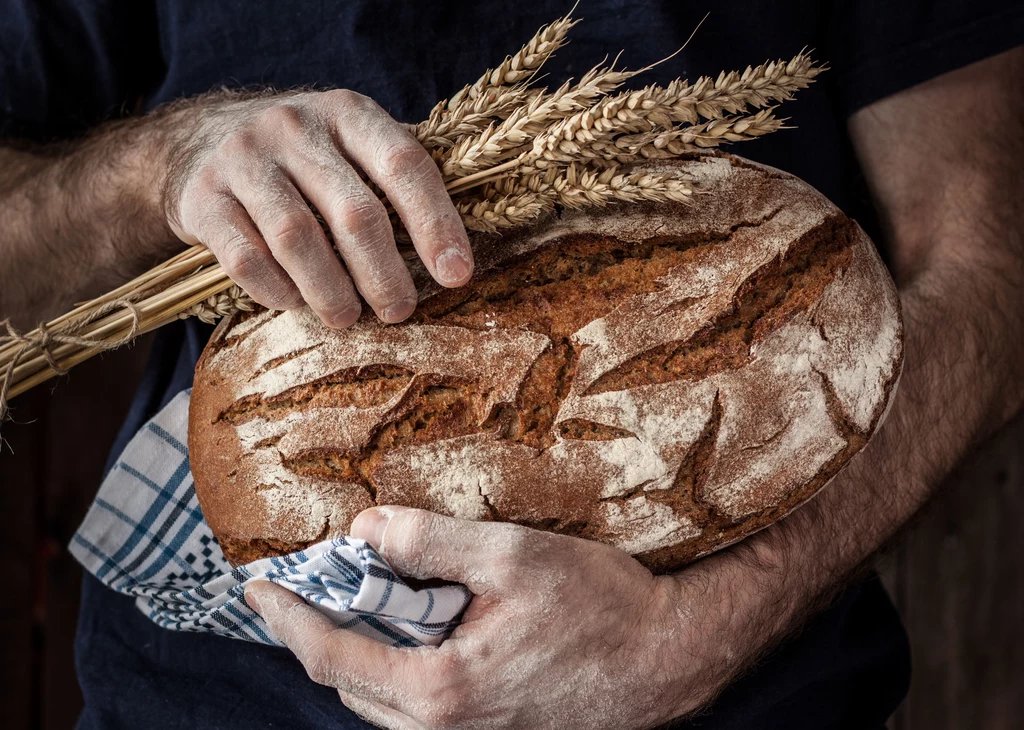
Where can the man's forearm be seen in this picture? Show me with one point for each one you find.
(81, 217)
(236, 171)
(956, 389)
(946, 190)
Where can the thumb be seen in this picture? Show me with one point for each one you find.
(421, 544)
(371, 524)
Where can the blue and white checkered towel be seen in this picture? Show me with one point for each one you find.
(145, 536)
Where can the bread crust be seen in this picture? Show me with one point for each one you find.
(665, 378)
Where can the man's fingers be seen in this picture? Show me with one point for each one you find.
(399, 164)
(297, 242)
(360, 225)
(378, 714)
(335, 657)
(422, 544)
(274, 158)
(226, 229)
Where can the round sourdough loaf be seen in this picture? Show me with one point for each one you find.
(664, 378)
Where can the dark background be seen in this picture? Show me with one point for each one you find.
(956, 574)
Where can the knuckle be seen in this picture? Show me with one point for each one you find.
(240, 143)
(345, 99)
(292, 231)
(417, 524)
(363, 220)
(443, 226)
(279, 296)
(315, 653)
(445, 670)
(241, 259)
(448, 709)
(386, 288)
(248, 266)
(515, 539)
(436, 716)
(410, 534)
(318, 669)
(200, 202)
(513, 545)
(405, 159)
(284, 119)
(476, 650)
(335, 303)
(206, 180)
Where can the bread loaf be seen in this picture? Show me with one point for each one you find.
(664, 378)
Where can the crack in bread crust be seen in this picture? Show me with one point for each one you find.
(437, 408)
(767, 300)
(604, 432)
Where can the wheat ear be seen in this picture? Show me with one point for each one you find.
(515, 201)
(529, 149)
(496, 93)
(593, 133)
(499, 142)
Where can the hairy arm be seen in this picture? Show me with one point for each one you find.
(943, 161)
(567, 632)
(234, 172)
(81, 217)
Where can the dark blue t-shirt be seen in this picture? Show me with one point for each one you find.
(66, 65)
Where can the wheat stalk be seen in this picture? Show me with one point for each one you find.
(515, 202)
(496, 94)
(503, 140)
(595, 132)
(508, 154)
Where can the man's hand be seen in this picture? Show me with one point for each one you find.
(568, 634)
(239, 179)
(233, 172)
(561, 632)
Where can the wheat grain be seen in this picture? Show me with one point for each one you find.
(523, 65)
(507, 211)
(580, 186)
(498, 142)
(508, 153)
(593, 132)
(675, 142)
(496, 93)
(516, 200)
(473, 116)
(770, 83)
(220, 305)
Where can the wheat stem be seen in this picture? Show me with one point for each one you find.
(508, 153)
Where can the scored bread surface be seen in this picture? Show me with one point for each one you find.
(664, 378)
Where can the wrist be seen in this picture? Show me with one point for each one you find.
(730, 609)
(780, 577)
(137, 235)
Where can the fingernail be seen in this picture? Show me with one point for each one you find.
(399, 311)
(346, 318)
(250, 598)
(370, 524)
(452, 266)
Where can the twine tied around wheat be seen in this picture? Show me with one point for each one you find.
(41, 341)
(508, 152)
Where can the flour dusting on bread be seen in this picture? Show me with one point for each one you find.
(665, 378)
